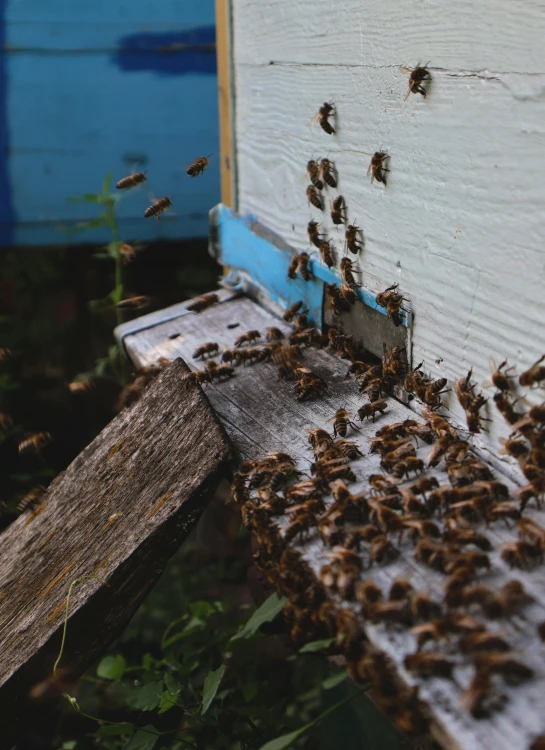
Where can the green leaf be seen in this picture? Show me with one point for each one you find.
(334, 680)
(116, 730)
(87, 198)
(69, 745)
(266, 613)
(310, 648)
(167, 702)
(201, 610)
(143, 739)
(147, 697)
(211, 685)
(106, 184)
(111, 667)
(171, 684)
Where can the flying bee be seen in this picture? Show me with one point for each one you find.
(328, 173)
(292, 311)
(429, 665)
(134, 303)
(338, 302)
(417, 78)
(61, 681)
(314, 173)
(136, 178)
(202, 303)
(35, 443)
(198, 166)
(347, 273)
(127, 252)
(535, 375)
(304, 260)
(5, 354)
(31, 500)
(313, 233)
(371, 409)
(314, 197)
(326, 111)
(247, 338)
(341, 423)
(157, 208)
(208, 348)
(5, 422)
(326, 254)
(337, 210)
(81, 386)
(377, 168)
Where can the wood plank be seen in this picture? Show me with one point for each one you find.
(261, 415)
(225, 100)
(458, 229)
(113, 518)
(494, 36)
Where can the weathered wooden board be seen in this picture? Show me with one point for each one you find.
(498, 36)
(261, 414)
(113, 518)
(458, 225)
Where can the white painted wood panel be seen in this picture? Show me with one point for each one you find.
(496, 35)
(459, 225)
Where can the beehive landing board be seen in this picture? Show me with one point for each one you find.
(260, 414)
(117, 514)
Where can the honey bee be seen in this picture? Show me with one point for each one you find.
(292, 311)
(198, 166)
(314, 197)
(157, 208)
(59, 682)
(35, 443)
(381, 483)
(274, 334)
(320, 440)
(396, 612)
(377, 168)
(400, 589)
(368, 593)
(429, 665)
(313, 234)
(136, 178)
(5, 354)
(484, 641)
(535, 375)
(338, 302)
(349, 450)
(328, 173)
(304, 260)
(208, 348)
(32, 499)
(351, 235)
(247, 338)
(477, 699)
(463, 536)
(371, 409)
(537, 414)
(127, 252)
(203, 302)
(293, 266)
(348, 293)
(81, 386)
(531, 532)
(134, 303)
(6, 422)
(337, 210)
(347, 271)
(322, 118)
(499, 377)
(538, 743)
(521, 554)
(314, 173)
(341, 423)
(513, 672)
(417, 78)
(326, 255)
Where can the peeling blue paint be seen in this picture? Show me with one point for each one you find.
(6, 204)
(171, 53)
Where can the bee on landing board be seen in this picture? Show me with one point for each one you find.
(337, 210)
(377, 168)
(202, 303)
(198, 166)
(417, 78)
(314, 197)
(134, 303)
(353, 243)
(157, 208)
(328, 173)
(313, 234)
(326, 111)
(314, 174)
(132, 180)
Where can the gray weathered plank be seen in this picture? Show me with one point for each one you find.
(117, 514)
(260, 414)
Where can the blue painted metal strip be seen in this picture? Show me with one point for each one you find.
(6, 205)
(242, 244)
(169, 53)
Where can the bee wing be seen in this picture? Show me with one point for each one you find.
(405, 70)
(407, 94)
(315, 120)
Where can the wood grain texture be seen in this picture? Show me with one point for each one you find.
(261, 414)
(459, 224)
(118, 513)
(225, 100)
(375, 33)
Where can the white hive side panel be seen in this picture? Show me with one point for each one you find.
(459, 225)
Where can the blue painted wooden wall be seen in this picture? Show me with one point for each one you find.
(88, 86)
